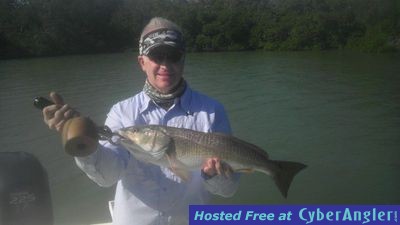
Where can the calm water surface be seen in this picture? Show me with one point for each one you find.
(337, 112)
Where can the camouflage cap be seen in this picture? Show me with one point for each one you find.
(161, 37)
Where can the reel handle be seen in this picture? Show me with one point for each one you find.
(41, 102)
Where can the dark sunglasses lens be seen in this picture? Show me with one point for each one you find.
(160, 56)
(175, 56)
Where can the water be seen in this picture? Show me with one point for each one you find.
(337, 112)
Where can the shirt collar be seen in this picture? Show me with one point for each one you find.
(146, 100)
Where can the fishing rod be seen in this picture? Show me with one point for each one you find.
(80, 135)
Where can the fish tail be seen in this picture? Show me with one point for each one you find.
(285, 173)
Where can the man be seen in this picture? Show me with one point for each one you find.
(145, 193)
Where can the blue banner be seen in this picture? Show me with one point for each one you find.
(294, 214)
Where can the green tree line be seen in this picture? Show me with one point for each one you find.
(57, 27)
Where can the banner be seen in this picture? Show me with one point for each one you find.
(293, 214)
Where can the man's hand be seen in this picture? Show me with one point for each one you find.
(56, 115)
(215, 166)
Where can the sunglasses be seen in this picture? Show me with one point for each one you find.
(164, 55)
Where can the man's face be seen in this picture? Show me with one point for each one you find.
(163, 67)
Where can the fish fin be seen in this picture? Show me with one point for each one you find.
(179, 169)
(285, 174)
(245, 170)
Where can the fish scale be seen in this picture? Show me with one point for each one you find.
(184, 150)
(223, 146)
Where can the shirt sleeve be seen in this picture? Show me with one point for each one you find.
(108, 163)
(220, 184)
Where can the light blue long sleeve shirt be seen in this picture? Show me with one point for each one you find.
(147, 194)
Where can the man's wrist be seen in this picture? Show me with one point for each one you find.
(206, 176)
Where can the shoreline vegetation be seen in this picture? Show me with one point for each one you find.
(31, 28)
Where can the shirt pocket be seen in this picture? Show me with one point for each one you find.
(192, 122)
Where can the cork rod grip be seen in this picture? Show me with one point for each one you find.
(79, 134)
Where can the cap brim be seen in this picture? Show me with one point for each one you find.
(164, 45)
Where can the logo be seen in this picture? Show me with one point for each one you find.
(21, 200)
